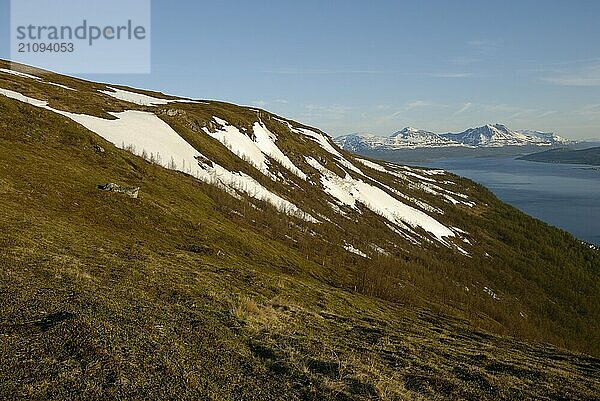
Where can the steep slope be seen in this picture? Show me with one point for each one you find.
(260, 261)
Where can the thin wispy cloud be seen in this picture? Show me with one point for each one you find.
(477, 43)
(450, 74)
(326, 112)
(325, 71)
(557, 67)
(411, 106)
(389, 117)
(584, 76)
(464, 60)
(510, 112)
(484, 45)
(506, 109)
(418, 104)
(260, 103)
(518, 114)
(464, 108)
(591, 111)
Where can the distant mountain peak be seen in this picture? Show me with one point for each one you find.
(412, 130)
(486, 136)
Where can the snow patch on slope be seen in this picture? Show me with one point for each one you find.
(145, 132)
(60, 86)
(324, 142)
(370, 164)
(354, 250)
(19, 74)
(348, 191)
(429, 185)
(240, 144)
(24, 75)
(254, 151)
(22, 98)
(265, 140)
(140, 98)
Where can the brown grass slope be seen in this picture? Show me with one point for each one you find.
(190, 293)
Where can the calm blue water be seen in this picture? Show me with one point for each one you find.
(563, 195)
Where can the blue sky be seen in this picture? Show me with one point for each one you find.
(358, 66)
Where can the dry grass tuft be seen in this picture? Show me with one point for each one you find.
(247, 310)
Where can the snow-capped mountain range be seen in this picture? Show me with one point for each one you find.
(488, 136)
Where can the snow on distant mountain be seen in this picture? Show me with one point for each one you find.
(487, 136)
(405, 139)
(549, 137)
(499, 135)
(496, 135)
(357, 142)
(412, 137)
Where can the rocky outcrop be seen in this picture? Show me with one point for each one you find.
(132, 192)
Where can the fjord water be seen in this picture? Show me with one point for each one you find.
(563, 195)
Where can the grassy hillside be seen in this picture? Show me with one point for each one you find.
(564, 155)
(189, 292)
